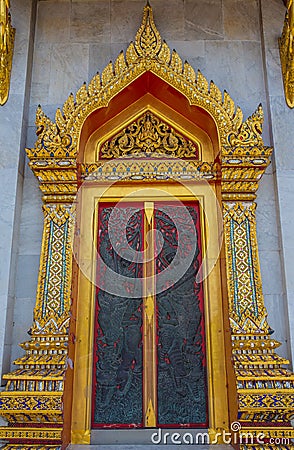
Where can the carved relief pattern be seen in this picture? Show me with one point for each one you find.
(265, 390)
(266, 401)
(53, 294)
(241, 143)
(148, 136)
(30, 403)
(249, 134)
(148, 53)
(182, 390)
(148, 40)
(34, 391)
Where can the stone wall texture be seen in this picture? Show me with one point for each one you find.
(233, 42)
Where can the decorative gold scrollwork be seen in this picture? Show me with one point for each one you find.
(148, 53)
(286, 43)
(239, 166)
(148, 136)
(7, 33)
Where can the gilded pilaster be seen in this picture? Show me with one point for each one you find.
(265, 388)
(32, 402)
(246, 305)
(54, 284)
(34, 390)
(286, 44)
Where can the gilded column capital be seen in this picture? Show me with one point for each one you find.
(53, 160)
(244, 159)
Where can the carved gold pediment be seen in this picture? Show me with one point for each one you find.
(149, 136)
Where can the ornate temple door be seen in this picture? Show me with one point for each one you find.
(149, 340)
(148, 117)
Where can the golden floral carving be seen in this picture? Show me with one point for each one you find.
(240, 143)
(249, 133)
(33, 433)
(148, 40)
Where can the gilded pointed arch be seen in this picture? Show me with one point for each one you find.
(148, 53)
(239, 164)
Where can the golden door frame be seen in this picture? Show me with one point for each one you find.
(215, 330)
(148, 77)
(97, 187)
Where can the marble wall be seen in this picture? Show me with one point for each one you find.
(233, 42)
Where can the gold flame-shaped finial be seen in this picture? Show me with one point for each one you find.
(148, 40)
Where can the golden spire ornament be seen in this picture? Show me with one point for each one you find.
(148, 40)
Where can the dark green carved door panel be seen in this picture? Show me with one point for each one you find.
(180, 327)
(119, 378)
(118, 372)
